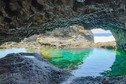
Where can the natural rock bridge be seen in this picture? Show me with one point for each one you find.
(41, 15)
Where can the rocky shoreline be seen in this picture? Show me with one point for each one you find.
(34, 45)
(31, 68)
(37, 24)
(69, 37)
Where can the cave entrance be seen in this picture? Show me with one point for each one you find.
(79, 61)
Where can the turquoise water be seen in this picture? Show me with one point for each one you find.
(85, 62)
(98, 61)
(90, 62)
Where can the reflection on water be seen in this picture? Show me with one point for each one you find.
(90, 62)
(99, 60)
(84, 62)
(119, 66)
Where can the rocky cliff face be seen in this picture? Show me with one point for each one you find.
(22, 18)
(15, 14)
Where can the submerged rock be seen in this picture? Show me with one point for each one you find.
(29, 68)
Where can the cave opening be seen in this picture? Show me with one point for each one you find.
(72, 48)
(101, 35)
(77, 41)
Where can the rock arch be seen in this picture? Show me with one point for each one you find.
(52, 14)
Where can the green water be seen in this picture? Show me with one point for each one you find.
(119, 66)
(70, 58)
(91, 62)
(85, 62)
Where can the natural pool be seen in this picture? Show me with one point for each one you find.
(81, 62)
(84, 62)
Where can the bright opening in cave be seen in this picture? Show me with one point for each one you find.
(101, 35)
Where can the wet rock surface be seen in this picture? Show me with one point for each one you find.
(31, 68)
(98, 80)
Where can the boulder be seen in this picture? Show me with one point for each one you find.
(29, 68)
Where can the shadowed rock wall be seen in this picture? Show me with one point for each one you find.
(22, 18)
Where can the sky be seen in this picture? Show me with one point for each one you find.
(99, 30)
(102, 38)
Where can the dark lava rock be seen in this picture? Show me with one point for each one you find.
(19, 15)
(97, 80)
(26, 68)
(31, 68)
(23, 18)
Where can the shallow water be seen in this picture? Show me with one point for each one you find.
(98, 61)
(85, 62)
(89, 62)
